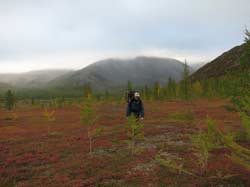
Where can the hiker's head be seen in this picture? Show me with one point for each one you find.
(137, 95)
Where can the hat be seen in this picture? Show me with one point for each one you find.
(137, 94)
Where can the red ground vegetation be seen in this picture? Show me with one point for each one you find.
(29, 156)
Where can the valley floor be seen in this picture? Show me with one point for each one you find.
(29, 156)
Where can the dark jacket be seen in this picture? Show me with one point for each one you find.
(135, 107)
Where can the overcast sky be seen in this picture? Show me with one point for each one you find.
(42, 34)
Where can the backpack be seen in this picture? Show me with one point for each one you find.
(130, 96)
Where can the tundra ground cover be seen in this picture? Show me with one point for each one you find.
(29, 156)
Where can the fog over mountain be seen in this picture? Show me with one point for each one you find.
(31, 79)
(111, 73)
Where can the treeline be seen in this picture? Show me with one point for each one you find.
(223, 87)
(234, 83)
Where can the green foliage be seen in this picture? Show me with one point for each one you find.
(237, 103)
(245, 133)
(87, 91)
(210, 88)
(185, 83)
(9, 100)
(146, 92)
(245, 57)
(210, 139)
(134, 132)
(97, 131)
(157, 90)
(197, 89)
(247, 36)
(89, 118)
(50, 117)
(185, 71)
(213, 136)
(205, 142)
(242, 105)
(239, 154)
(171, 89)
(241, 159)
(202, 147)
(88, 114)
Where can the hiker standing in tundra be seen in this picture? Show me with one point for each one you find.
(135, 105)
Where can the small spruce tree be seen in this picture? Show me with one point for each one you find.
(89, 118)
(185, 83)
(197, 89)
(135, 133)
(157, 90)
(9, 100)
(87, 91)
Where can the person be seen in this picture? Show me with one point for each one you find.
(135, 107)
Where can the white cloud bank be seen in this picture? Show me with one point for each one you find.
(42, 34)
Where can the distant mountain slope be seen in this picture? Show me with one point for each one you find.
(227, 62)
(111, 73)
(4, 86)
(32, 79)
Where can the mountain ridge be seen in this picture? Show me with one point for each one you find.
(36, 78)
(114, 72)
(228, 61)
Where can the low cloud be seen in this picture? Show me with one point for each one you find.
(72, 34)
(80, 59)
